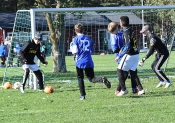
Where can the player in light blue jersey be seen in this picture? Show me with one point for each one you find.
(81, 47)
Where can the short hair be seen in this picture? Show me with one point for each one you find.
(112, 26)
(79, 28)
(124, 20)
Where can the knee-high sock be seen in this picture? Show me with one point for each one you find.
(39, 76)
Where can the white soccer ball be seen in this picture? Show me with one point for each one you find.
(16, 85)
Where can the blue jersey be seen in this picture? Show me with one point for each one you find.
(116, 43)
(82, 47)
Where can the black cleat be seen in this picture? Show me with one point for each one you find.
(106, 82)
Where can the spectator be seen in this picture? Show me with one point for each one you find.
(3, 53)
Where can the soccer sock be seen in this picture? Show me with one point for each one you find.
(134, 90)
(169, 81)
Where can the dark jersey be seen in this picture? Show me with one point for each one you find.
(156, 44)
(130, 41)
(29, 51)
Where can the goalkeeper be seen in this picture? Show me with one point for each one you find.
(27, 53)
(161, 55)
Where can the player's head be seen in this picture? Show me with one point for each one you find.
(78, 28)
(113, 27)
(124, 21)
(38, 38)
(146, 30)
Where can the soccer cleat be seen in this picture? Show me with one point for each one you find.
(167, 84)
(106, 82)
(160, 84)
(117, 92)
(40, 90)
(22, 89)
(141, 92)
(82, 98)
(122, 93)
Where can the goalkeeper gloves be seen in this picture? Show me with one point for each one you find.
(142, 62)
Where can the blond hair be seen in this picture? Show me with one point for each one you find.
(112, 26)
(78, 28)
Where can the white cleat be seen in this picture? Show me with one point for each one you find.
(121, 93)
(160, 84)
(141, 92)
(21, 89)
(167, 84)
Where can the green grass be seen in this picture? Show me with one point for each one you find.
(100, 106)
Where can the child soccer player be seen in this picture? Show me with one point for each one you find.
(129, 59)
(81, 47)
(161, 55)
(117, 42)
(28, 53)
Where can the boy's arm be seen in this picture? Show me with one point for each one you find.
(115, 43)
(22, 51)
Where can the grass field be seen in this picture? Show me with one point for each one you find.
(100, 106)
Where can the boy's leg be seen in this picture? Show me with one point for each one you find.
(80, 76)
(135, 79)
(122, 76)
(90, 75)
(156, 66)
(39, 76)
(25, 77)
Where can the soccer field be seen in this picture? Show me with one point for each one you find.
(101, 105)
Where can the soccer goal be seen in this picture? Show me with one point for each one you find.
(95, 20)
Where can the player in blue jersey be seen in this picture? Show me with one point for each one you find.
(81, 47)
(117, 42)
(129, 56)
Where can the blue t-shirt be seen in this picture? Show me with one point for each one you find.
(117, 43)
(82, 47)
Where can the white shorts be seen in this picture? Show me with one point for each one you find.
(129, 62)
(32, 67)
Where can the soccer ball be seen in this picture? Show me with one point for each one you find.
(16, 85)
(7, 85)
(49, 89)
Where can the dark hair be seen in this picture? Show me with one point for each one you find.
(124, 20)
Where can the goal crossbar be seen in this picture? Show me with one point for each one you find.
(101, 8)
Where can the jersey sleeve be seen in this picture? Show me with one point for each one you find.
(116, 42)
(151, 49)
(39, 55)
(74, 48)
(23, 50)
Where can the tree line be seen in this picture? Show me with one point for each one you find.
(14, 5)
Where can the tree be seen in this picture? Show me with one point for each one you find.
(166, 17)
(56, 28)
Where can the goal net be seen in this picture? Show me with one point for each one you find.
(95, 20)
